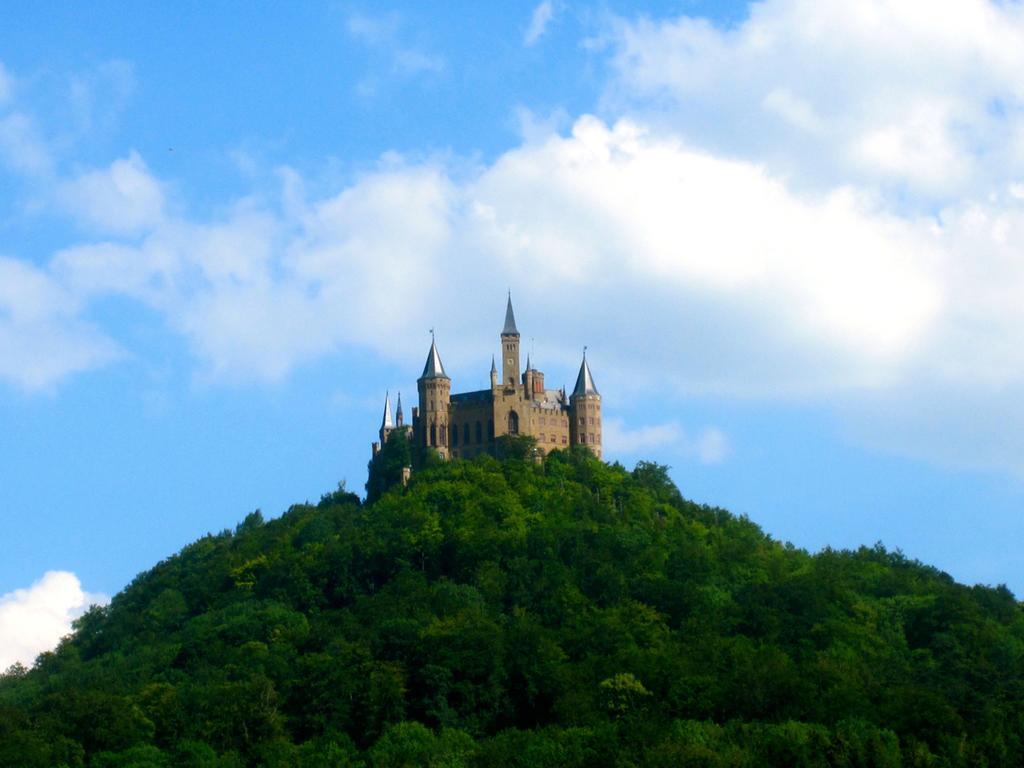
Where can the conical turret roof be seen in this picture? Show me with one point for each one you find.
(387, 423)
(433, 369)
(510, 320)
(585, 381)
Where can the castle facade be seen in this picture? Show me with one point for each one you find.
(466, 424)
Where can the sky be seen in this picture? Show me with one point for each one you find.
(789, 233)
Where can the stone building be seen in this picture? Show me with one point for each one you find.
(465, 424)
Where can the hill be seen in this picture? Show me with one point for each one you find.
(501, 613)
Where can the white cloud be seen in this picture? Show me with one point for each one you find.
(21, 147)
(124, 198)
(33, 620)
(619, 438)
(42, 337)
(922, 97)
(708, 273)
(539, 20)
(383, 33)
(709, 446)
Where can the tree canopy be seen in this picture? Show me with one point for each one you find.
(492, 613)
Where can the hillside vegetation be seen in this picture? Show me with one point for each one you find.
(504, 613)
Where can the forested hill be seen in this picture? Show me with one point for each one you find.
(512, 614)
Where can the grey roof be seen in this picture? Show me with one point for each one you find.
(585, 382)
(494, 368)
(433, 369)
(398, 410)
(478, 396)
(510, 320)
(527, 362)
(387, 423)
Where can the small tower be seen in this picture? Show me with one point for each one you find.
(399, 421)
(386, 424)
(494, 374)
(435, 389)
(509, 348)
(585, 410)
(529, 390)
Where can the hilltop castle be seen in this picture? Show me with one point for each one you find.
(466, 424)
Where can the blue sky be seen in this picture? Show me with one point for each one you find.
(789, 234)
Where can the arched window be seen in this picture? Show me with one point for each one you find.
(513, 423)
(444, 435)
(433, 435)
(479, 433)
(465, 433)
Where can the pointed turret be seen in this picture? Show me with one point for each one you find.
(494, 373)
(585, 410)
(510, 319)
(433, 369)
(399, 421)
(387, 423)
(585, 382)
(430, 423)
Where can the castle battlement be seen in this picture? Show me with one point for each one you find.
(466, 424)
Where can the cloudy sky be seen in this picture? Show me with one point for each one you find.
(789, 232)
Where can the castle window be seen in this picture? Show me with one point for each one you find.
(552, 438)
(465, 433)
(490, 429)
(583, 438)
(444, 435)
(455, 436)
(479, 433)
(513, 423)
(433, 434)
(563, 440)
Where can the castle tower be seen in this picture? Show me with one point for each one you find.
(386, 425)
(494, 374)
(399, 421)
(509, 348)
(435, 390)
(529, 390)
(585, 410)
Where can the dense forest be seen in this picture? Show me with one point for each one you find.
(514, 613)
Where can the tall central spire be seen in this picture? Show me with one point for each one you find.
(509, 348)
(510, 320)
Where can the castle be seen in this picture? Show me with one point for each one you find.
(466, 424)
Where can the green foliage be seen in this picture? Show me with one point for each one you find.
(386, 467)
(521, 613)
